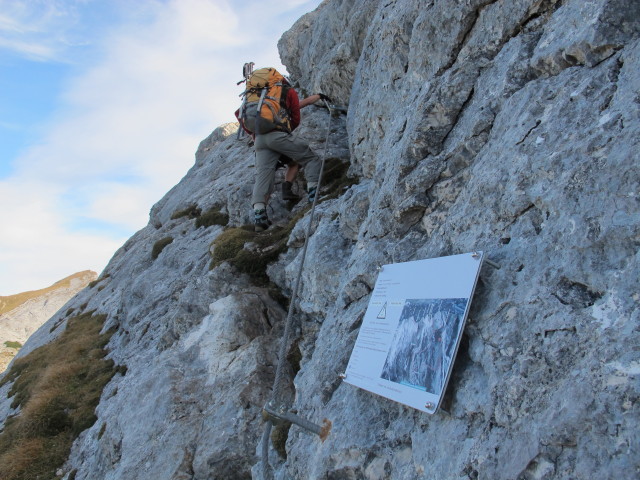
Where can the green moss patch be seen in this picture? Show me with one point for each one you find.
(159, 246)
(266, 247)
(57, 388)
(10, 344)
(212, 217)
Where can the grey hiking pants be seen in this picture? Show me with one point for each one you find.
(269, 147)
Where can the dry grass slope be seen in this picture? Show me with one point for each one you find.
(57, 388)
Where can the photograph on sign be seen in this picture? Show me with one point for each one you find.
(412, 328)
(423, 345)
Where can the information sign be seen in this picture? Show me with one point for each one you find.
(412, 328)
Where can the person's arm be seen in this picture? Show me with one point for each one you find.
(294, 105)
(311, 99)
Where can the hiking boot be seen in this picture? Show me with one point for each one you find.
(311, 193)
(260, 220)
(287, 194)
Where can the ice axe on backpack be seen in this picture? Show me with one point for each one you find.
(247, 70)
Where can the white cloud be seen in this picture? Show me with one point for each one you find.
(30, 49)
(39, 29)
(35, 244)
(159, 82)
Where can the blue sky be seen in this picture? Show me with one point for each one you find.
(102, 106)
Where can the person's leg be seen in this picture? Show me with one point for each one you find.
(289, 177)
(298, 150)
(292, 172)
(266, 161)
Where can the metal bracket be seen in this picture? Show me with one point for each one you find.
(280, 415)
(337, 109)
(487, 261)
(492, 264)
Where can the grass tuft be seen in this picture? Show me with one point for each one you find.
(192, 211)
(212, 217)
(57, 388)
(11, 344)
(98, 280)
(159, 246)
(265, 248)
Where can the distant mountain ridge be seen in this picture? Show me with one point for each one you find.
(9, 302)
(23, 313)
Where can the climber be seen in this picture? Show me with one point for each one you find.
(280, 115)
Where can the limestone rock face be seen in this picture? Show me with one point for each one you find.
(508, 127)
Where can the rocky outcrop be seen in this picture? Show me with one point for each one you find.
(517, 134)
(24, 313)
(508, 127)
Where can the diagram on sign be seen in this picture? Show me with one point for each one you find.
(412, 328)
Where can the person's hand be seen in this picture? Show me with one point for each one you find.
(324, 97)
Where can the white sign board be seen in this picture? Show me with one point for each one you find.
(412, 328)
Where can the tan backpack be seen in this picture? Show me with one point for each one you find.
(263, 106)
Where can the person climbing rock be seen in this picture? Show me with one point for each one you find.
(271, 112)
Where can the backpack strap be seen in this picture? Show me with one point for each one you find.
(262, 97)
(283, 97)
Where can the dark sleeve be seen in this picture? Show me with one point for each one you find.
(293, 105)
